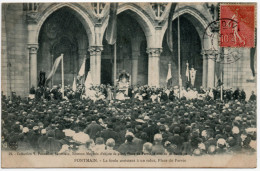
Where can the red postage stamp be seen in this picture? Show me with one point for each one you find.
(237, 25)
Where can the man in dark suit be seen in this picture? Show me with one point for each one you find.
(236, 94)
(93, 129)
(171, 95)
(252, 97)
(151, 130)
(130, 92)
(129, 147)
(243, 95)
(109, 133)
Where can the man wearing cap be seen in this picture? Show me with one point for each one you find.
(243, 95)
(33, 137)
(109, 133)
(236, 94)
(171, 95)
(151, 130)
(93, 129)
(128, 148)
(252, 97)
(42, 139)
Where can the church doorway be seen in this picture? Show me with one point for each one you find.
(62, 33)
(190, 50)
(131, 52)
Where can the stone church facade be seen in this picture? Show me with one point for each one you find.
(35, 34)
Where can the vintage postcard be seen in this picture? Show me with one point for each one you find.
(128, 84)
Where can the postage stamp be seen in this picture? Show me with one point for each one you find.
(215, 52)
(239, 30)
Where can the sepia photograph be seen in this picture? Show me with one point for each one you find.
(129, 84)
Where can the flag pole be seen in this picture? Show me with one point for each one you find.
(221, 77)
(51, 69)
(62, 76)
(10, 80)
(115, 64)
(221, 87)
(84, 76)
(179, 56)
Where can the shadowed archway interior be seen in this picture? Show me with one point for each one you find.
(62, 32)
(131, 44)
(190, 50)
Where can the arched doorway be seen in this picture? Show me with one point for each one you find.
(131, 45)
(190, 50)
(62, 32)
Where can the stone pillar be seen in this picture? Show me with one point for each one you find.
(205, 70)
(136, 43)
(211, 46)
(95, 63)
(211, 72)
(33, 64)
(134, 74)
(154, 66)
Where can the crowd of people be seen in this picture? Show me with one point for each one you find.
(107, 92)
(151, 121)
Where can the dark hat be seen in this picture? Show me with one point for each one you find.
(162, 128)
(177, 130)
(110, 125)
(162, 120)
(228, 128)
(231, 141)
(99, 140)
(139, 127)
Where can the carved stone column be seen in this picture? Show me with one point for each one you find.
(33, 64)
(136, 43)
(211, 71)
(154, 66)
(205, 70)
(134, 77)
(95, 63)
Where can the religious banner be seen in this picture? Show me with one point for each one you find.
(82, 68)
(54, 68)
(187, 74)
(169, 75)
(169, 29)
(192, 76)
(111, 32)
(74, 85)
(252, 60)
(88, 83)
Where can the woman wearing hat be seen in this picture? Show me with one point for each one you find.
(128, 148)
(158, 148)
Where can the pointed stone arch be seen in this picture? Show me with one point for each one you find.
(77, 11)
(200, 23)
(34, 29)
(141, 17)
(193, 15)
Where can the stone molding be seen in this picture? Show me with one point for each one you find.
(95, 50)
(33, 48)
(154, 51)
(32, 17)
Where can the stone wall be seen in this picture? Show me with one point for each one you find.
(14, 46)
(238, 74)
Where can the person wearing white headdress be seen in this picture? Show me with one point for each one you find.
(110, 144)
(158, 148)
